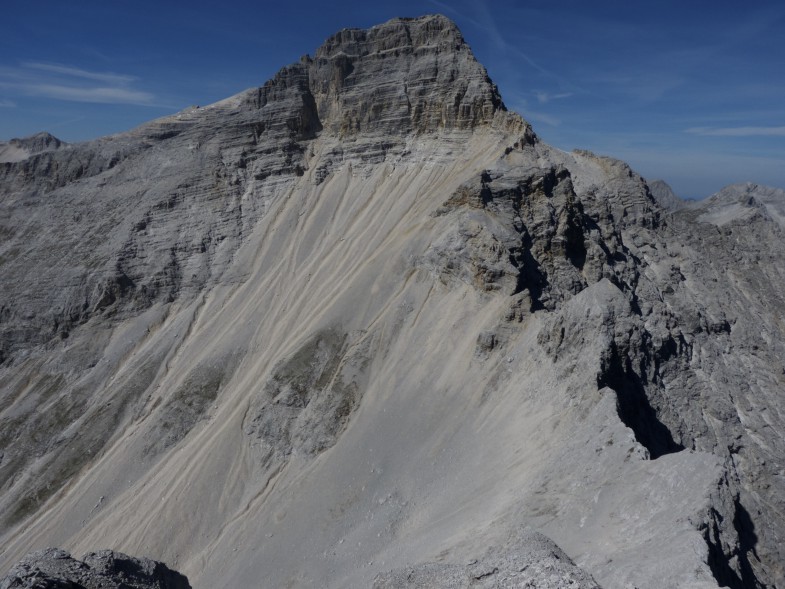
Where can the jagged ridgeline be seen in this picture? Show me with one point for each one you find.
(361, 326)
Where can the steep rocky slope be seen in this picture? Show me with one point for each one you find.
(360, 323)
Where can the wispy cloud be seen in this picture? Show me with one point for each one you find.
(105, 77)
(546, 97)
(647, 86)
(66, 123)
(541, 117)
(7, 103)
(65, 82)
(737, 131)
(521, 106)
(452, 10)
(105, 95)
(486, 23)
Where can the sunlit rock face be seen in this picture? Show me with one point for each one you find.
(360, 326)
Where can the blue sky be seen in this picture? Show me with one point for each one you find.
(690, 92)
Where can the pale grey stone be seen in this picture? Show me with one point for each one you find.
(270, 334)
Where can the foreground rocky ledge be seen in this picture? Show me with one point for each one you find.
(52, 568)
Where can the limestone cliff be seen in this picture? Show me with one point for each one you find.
(360, 325)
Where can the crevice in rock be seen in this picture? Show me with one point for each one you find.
(531, 276)
(573, 233)
(731, 567)
(748, 540)
(635, 410)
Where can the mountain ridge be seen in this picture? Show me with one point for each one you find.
(331, 313)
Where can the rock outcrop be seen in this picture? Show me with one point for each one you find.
(366, 325)
(739, 203)
(20, 149)
(664, 195)
(406, 76)
(52, 568)
(527, 560)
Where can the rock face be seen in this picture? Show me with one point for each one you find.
(742, 202)
(407, 76)
(52, 568)
(368, 327)
(664, 195)
(20, 149)
(528, 560)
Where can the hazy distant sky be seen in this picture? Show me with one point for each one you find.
(690, 92)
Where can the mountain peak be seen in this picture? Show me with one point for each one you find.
(370, 89)
(738, 203)
(355, 312)
(432, 29)
(19, 149)
(405, 76)
(664, 195)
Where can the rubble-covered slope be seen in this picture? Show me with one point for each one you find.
(360, 326)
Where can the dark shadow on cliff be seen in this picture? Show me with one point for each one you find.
(634, 407)
(741, 576)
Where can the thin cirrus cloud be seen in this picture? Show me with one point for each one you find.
(541, 117)
(485, 21)
(521, 106)
(546, 97)
(63, 82)
(105, 95)
(738, 131)
(105, 77)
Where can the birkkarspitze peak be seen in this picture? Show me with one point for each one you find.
(404, 76)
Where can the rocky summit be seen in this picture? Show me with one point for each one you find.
(361, 327)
